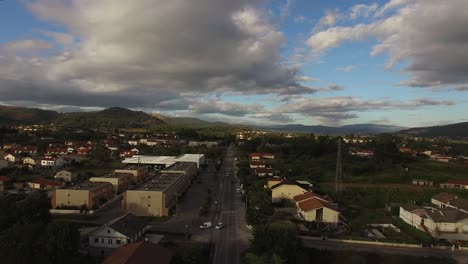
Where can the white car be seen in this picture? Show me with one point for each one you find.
(206, 225)
(219, 226)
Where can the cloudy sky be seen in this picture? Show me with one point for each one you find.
(399, 62)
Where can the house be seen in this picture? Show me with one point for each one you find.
(31, 162)
(257, 164)
(412, 214)
(57, 151)
(82, 151)
(443, 198)
(207, 144)
(67, 175)
(52, 161)
(455, 184)
(365, 153)
(143, 252)
(89, 195)
(264, 172)
(422, 182)
(43, 184)
(115, 234)
(259, 156)
(25, 150)
(405, 149)
(312, 207)
(12, 158)
(287, 189)
(133, 142)
(4, 182)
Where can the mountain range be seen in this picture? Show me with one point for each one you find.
(117, 117)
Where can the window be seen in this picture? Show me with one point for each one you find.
(149, 205)
(117, 241)
(96, 240)
(102, 240)
(108, 231)
(110, 241)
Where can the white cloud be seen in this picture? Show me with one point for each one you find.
(362, 10)
(331, 18)
(425, 33)
(348, 68)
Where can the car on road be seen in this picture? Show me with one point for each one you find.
(239, 190)
(219, 226)
(206, 225)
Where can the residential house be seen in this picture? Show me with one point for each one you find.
(67, 175)
(4, 183)
(405, 149)
(43, 184)
(412, 214)
(455, 184)
(115, 234)
(443, 198)
(312, 207)
(133, 142)
(88, 195)
(57, 151)
(264, 172)
(25, 150)
(82, 151)
(143, 252)
(257, 164)
(422, 182)
(12, 158)
(31, 162)
(52, 161)
(287, 189)
(259, 156)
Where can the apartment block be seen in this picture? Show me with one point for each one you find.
(87, 194)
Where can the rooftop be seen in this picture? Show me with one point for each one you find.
(458, 182)
(128, 225)
(181, 166)
(159, 182)
(410, 207)
(143, 252)
(447, 215)
(460, 203)
(114, 175)
(48, 182)
(313, 204)
(444, 197)
(85, 185)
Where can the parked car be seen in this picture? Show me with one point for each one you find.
(206, 225)
(219, 226)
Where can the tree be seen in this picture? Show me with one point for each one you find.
(62, 241)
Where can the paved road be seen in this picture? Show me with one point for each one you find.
(460, 256)
(233, 239)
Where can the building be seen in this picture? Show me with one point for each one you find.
(139, 173)
(449, 220)
(31, 162)
(208, 144)
(257, 164)
(90, 195)
(67, 175)
(43, 184)
(312, 207)
(272, 182)
(25, 150)
(287, 190)
(12, 158)
(82, 151)
(115, 234)
(52, 161)
(157, 195)
(143, 252)
(455, 184)
(405, 149)
(259, 156)
(422, 182)
(57, 151)
(264, 172)
(165, 161)
(187, 168)
(364, 153)
(4, 183)
(120, 181)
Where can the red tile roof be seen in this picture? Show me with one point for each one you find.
(312, 204)
(458, 182)
(304, 196)
(263, 170)
(46, 182)
(444, 197)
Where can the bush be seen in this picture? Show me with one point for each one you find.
(413, 232)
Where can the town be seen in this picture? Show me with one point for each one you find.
(163, 193)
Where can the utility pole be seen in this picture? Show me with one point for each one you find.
(339, 172)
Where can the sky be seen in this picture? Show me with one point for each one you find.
(311, 62)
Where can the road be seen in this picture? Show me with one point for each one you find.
(233, 239)
(460, 256)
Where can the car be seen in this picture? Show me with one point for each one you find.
(219, 226)
(239, 190)
(206, 225)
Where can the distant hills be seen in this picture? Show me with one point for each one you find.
(21, 115)
(358, 129)
(453, 130)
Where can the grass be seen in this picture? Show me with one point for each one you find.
(97, 170)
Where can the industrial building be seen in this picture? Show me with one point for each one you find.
(139, 173)
(88, 194)
(165, 161)
(159, 194)
(120, 181)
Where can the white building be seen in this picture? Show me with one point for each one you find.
(165, 161)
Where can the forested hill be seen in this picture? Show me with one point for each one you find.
(458, 130)
(10, 115)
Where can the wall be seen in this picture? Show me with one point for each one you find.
(144, 203)
(410, 218)
(76, 198)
